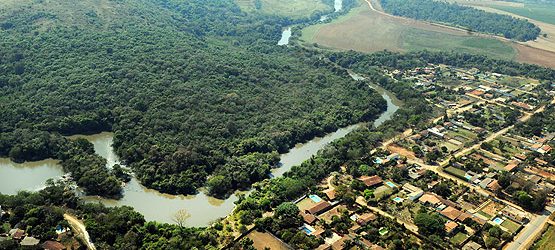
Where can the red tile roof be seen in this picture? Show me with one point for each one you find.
(371, 180)
(319, 207)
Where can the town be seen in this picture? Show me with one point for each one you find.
(478, 176)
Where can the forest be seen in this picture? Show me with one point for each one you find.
(191, 89)
(469, 18)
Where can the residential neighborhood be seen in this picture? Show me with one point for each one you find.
(479, 176)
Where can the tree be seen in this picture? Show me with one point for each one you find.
(429, 224)
(180, 217)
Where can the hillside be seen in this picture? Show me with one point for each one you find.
(190, 89)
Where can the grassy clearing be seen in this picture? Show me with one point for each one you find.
(369, 31)
(288, 8)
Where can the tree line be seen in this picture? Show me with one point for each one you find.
(469, 18)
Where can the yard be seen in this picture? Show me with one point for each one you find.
(510, 225)
(456, 172)
(305, 204)
(459, 238)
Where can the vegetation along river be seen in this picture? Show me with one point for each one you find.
(161, 207)
(287, 32)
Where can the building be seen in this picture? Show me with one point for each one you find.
(30, 242)
(330, 193)
(371, 181)
(450, 227)
(429, 199)
(319, 208)
(512, 165)
(451, 213)
(52, 245)
(363, 219)
(413, 192)
(308, 218)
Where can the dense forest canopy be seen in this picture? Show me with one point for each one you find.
(467, 17)
(190, 88)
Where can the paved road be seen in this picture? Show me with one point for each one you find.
(80, 227)
(532, 229)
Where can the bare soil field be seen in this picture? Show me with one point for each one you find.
(535, 56)
(263, 239)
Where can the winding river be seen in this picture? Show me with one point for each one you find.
(161, 207)
(286, 33)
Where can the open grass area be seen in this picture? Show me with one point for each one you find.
(368, 31)
(510, 225)
(547, 241)
(458, 238)
(456, 172)
(288, 8)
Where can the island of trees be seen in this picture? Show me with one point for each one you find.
(465, 17)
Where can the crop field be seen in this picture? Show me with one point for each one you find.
(289, 8)
(366, 30)
(369, 31)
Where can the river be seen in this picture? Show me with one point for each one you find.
(29, 176)
(161, 207)
(286, 33)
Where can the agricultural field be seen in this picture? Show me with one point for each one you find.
(541, 51)
(288, 8)
(369, 31)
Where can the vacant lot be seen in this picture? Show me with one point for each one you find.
(263, 239)
(369, 31)
(547, 241)
(289, 8)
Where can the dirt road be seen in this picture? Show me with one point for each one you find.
(79, 227)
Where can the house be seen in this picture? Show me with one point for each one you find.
(330, 193)
(413, 192)
(308, 218)
(544, 149)
(367, 245)
(464, 216)
(52, 245)
(484, 183)
(471, 245)
(338, 245)
(451, 213)
(16, 234)
(436, 132)
(512, 165)
(514, 214)
(319, 208)
(450, 227)
(30, 242)
(429, 199)
(520, 157)
(522, 105)
(371, 181)
(477, 92)
(365, 218)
